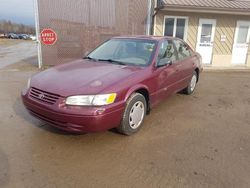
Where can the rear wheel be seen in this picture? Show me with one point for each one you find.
(192, 84)
(134, 114)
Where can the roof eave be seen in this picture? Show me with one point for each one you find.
(207, 10)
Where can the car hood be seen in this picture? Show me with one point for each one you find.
(82, 77)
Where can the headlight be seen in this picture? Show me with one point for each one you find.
(80, 100)
(91, 100)
(100, 100)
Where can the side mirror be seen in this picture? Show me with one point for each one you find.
(164, 62)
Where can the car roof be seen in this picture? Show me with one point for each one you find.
(145, 37)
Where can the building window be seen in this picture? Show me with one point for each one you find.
(175, 27)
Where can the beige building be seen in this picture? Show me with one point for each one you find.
(218, 29)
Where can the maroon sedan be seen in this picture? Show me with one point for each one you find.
(115, 86)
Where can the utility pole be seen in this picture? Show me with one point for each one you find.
(38, 41)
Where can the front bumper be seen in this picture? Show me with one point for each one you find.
(75, 119)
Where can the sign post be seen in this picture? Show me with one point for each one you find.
(39, 49)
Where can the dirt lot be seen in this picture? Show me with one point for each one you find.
(188, 141)
(13, 51)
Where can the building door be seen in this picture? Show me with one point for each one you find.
(241, 43)
(205, 40)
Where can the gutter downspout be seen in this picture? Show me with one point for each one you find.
(156, 9)
(149, 23)
(38, 41)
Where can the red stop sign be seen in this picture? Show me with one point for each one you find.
(48, 37)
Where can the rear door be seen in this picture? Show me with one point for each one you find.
(186, 61)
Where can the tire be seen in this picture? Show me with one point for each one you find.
(192, 84)
(134, 114)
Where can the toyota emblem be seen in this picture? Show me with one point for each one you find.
(41, 96)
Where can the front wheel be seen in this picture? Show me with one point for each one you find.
(134, 114)
(192, 84)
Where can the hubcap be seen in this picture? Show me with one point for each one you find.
(136, 115)
(193, 82)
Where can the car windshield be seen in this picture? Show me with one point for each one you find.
(125, 51)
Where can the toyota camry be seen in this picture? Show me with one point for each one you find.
(114, 86)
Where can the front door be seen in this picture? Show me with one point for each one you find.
(206, 33)
(165, 78)
(241, 43)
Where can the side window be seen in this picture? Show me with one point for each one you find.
(183, 50)
(167, 51)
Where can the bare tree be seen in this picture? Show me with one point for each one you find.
(6, 26)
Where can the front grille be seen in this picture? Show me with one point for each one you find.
(43, 96)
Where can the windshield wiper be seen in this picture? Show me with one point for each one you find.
(113, 61)
(108, 60)
(90, 58)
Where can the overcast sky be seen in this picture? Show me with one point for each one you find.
(20, 11)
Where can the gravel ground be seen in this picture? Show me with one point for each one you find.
(13, 51)
(188, 141)
(194, 141)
